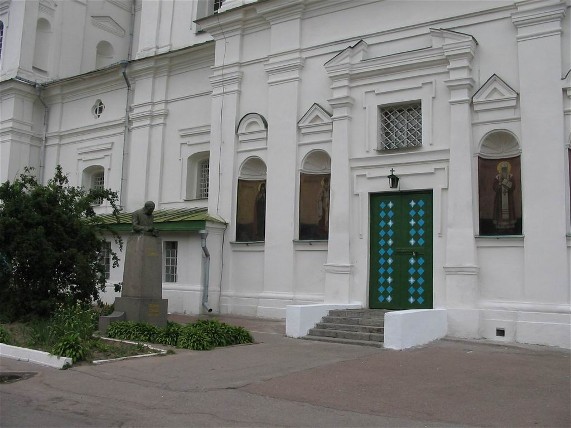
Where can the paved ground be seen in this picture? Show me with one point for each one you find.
(296, 383)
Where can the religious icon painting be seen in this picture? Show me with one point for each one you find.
(251, 211)
(499, 187)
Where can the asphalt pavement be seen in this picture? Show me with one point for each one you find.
(284, 382)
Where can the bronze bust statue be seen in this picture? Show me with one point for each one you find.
(143, 220)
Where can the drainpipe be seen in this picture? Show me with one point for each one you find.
(205, 269)
(45, 133)
(125, 135)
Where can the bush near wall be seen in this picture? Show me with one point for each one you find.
(199, 336)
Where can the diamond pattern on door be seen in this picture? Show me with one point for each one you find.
(401, 251)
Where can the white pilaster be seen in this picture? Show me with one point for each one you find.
(460, 266)
(539, 44)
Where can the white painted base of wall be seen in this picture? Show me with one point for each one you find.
(537, 328)
(33, 356)
(301, 318)
(405, 329)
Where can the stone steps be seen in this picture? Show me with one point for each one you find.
(350, 326)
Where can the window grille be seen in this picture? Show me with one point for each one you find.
(98, 183)
(400, 126)
(98, 109)
(106, 258)
(171, 252)
(217, 4)
(203, 170)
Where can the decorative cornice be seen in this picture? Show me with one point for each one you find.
(227, 83)
(281, 10)
(47, 7)
(195, 131)
(462, 270)
(338, 268)
(539, 19)
(106, 23)
(123, 4)
(283, 71)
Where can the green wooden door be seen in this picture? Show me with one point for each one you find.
(401, 251)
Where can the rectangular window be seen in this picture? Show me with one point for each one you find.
(106, 258)
(400, 126)
(98, 183)
(171, 253)
(203, 170)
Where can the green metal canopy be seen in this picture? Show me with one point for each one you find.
(174, 220)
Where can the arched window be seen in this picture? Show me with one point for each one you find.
(104, 54)
(1, 37)
(251, 201)
(314, 191)
(42, 46)
(499, 185)
(197, 180)
(94, 178)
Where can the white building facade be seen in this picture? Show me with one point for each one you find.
(281, 120)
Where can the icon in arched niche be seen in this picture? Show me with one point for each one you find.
(500, 196)
(314, 195)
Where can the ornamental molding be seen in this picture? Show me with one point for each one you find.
(253, 127)
(123, 4)
(106, 23)
(47, 7)
(316, 120)
(495, 94)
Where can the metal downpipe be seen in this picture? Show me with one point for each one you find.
(205, 270)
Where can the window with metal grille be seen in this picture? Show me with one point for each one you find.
(171, 252)
(98, 183)
(217, 4)
(98, 108)
(400, 126)
(203, 170)
(106, 258)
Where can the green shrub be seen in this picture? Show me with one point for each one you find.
(5, 337)
(202, 335)
(195, 338)
(71, 346)
(169, 335)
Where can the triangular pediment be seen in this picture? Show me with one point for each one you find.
(315, 116)
(108, 24)
(350, 55)
(494, 94)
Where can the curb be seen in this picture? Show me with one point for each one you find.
(34, 356)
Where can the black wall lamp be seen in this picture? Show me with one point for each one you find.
(393, 180)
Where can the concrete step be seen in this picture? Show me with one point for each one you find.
(375, 321)
(344, 341)
(358, 313)
(341, 334)
(351, 327)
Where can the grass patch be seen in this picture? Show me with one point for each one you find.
(68, 333)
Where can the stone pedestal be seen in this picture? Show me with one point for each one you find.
(141, 295)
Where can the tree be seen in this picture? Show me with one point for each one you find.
(51, 243)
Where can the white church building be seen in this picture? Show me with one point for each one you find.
(313, 154)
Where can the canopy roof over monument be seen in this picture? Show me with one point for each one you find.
(182, 219)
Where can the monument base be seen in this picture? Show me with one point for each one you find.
(105, 320)
(141, 309)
